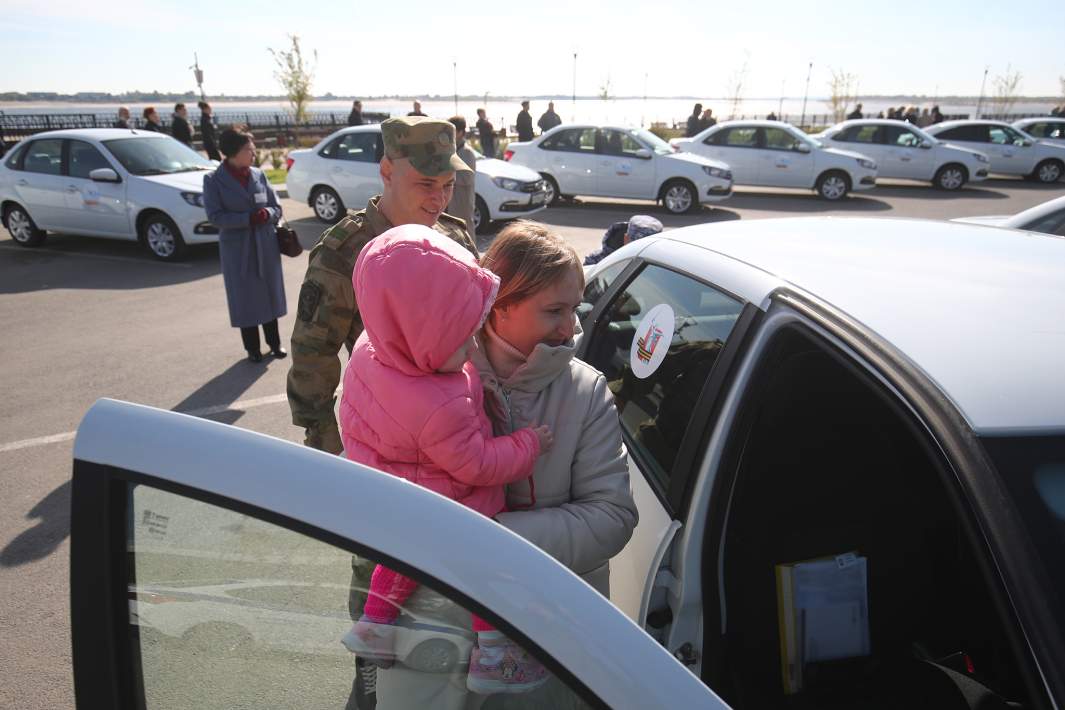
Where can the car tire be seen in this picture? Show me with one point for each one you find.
(951, 177)
(481, 216)
(551, 185)
(679, 197)
(433, 656)
(1048, 172)
(162, 237)
(327, 205)
(833, 185)
(22, 228)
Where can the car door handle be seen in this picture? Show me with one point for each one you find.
(22, 183)
(72, 188)
(905, 158)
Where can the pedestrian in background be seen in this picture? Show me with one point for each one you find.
(151, 120)
(355, 117)
(771, 117)
(123, 118)
(856, 113)
(525, 129)
(486, 134)
(208, 131)
(925, 119)
(707, 119)
(179, 126)
(464, 198)
(694, 121)
(937, 116)
(549, 119)
(621, 233)
(417, 109)
(241, 203)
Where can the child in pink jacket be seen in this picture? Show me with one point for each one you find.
(413, 406)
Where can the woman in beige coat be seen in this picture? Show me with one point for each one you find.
(578, 506)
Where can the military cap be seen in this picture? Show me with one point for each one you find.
(429, 144)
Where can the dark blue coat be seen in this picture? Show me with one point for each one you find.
(251, 260)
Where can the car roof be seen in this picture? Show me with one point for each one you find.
(964, 122)
(1040, 119)
(99, 134)
(978, 309)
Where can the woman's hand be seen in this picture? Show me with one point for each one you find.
(545, 437)
(260, 216)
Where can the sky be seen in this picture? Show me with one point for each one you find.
(666, 48)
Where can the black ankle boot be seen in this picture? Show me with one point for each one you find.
(255, 356)
(278, 352)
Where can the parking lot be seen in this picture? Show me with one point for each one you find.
(88, 318)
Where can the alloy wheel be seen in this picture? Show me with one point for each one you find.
(161, 240)
(18, 223)
(325, 206)
(678, 199)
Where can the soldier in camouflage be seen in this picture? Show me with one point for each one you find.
(418, 171)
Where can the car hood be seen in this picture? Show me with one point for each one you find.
(190, 181)
(843, 153)
(493, 168)
(693, 158)
(996, 220)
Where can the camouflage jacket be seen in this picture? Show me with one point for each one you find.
(327, 317)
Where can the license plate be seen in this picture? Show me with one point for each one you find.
(537, 199)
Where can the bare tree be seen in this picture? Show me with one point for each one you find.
(1007, 87)
(842, 87)
(735, 85)
(295, 75)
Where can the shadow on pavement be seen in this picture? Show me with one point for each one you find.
(810, 203)
(43, 538)
(309, 230)
(1024, 184)
(212, 399)
(919, 191)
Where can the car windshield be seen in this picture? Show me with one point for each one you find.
(1033, 470)
(156, 156)
(652, 141)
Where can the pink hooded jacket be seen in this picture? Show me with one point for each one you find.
(421, 296)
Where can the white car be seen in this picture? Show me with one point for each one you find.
(606, 161)
(776, 154)
(902, 150)
(342, 171)
(1047, 128)
(1048, 218)
(106, 182)
(787, 390)
(1012, 152)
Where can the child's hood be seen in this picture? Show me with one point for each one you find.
(421, 296)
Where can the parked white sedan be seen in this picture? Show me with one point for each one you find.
(1012, 152)
(787, 390)
(776, 154)
(606, 161)
(902, 150)
(342, 171)
(106, 182)
(1048, 217)
(1046, 128)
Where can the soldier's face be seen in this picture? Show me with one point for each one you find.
(415, 198)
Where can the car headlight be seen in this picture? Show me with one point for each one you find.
(193, 198)
(717, 172)
(868, 164)
(507, 184)
(981, 158)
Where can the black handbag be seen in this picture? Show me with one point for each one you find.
(287, 241)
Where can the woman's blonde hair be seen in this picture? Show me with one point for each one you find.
(527, 257)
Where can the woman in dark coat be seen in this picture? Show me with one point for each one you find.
(241, 203)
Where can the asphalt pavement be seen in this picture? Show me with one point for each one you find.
(89, 318)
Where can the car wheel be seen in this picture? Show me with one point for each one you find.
(327, 205)
(480, 215)
(22, 227)
(950, 177)
(551, 187)
(1048, 171)
(163, 238)
(433, 656)
(833, 185)
(679, 196)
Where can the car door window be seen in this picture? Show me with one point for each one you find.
(575, 140)
(45, 157)
(1039, 130)
(361, 147)
(1000, 136)
(619, 143)
(901, 137)
(971, 133)
(1053, 223)
(739, 138)
(84, 158)
(861, 134)
(656, 406)
(597, 286)
(779, 139)
(14, 161)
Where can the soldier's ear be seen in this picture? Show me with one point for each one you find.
(386, 170)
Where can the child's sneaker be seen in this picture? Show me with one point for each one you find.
(498, 665)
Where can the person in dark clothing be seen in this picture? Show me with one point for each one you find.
(707, 120)
(621, 233)
(208, 131)
(123, 118)
(937, 115)
(695, 121)
(771, 117)
(486, 133)
(355, 117)
(179, 126)
(525, 129)
(856, 113)
(151, 120)
(549, 119)
(417, 109)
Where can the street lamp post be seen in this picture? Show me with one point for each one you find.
(573, 114)
(198, 73)
(980, 101)
(806, 94)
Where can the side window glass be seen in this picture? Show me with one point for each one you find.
(742, 138)
(44, 156)
(901, 136)
(84, 158)
(1053, 223)
(618, 143)
(779, 139)
(12, 161)
(999, 136)
(656, 390)
(227, 610)
(358, 147)
(1038, 130)
(596, 287)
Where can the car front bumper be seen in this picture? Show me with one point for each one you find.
(865, 180)
(715, 190)
(508, 204)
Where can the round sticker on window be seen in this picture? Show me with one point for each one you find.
(653, 336)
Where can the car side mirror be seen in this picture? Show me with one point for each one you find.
(1024, 143)
(104, 175)
(802, 147)
(643, 154)
(926, 145)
